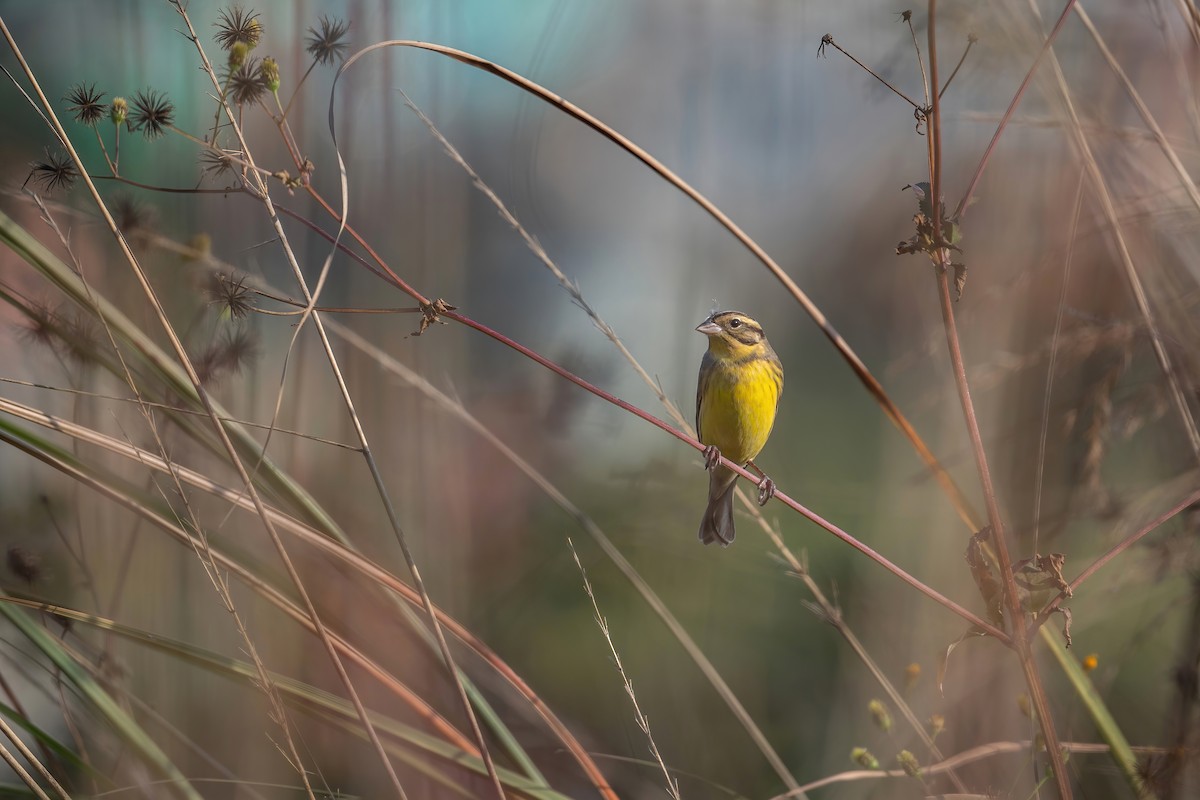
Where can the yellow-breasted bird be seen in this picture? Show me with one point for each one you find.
(740, 383)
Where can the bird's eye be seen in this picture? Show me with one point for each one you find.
(735, 323)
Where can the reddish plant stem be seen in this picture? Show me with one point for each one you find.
(740, 470)
(1113, 552)
(1012, 602)
(930, 592)
(1013, 608)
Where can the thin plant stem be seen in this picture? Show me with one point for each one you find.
(28, 755)
(873, 386)
(337, 662)
(970, 43)
(1014, 612)
(827, 40)
(1008, 112)
(920, 61)
(1114, 551)
(455, 316)
(176, 345)
(642, 723)
(1058, 319)
(680, 420)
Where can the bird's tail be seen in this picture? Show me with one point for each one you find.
(717, 525)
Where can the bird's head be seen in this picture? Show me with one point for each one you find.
(732, 334)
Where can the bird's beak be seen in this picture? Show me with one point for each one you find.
(708, 327)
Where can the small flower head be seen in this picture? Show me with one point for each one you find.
(85, 104)
(238, 26)
(55, 171)
(1091, 662)
(912, 674)
(270, 74)
(201, 245)
(862, 756)
(937, 724)
(908, 762)
(118, 112)
(325, 43)
(246, 84)
(238, 54)
(879, 714)
(152, 113)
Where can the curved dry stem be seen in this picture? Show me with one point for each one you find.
(310, 537)
(680, 420)
(873, 386)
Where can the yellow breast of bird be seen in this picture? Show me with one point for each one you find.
(737, 408)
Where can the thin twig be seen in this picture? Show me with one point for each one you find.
(1114, 551)
(827, 39)
(1008, 112)
(1058, 318)
(971, 39)
(642, 722)
(864, 375)
(1014, 612)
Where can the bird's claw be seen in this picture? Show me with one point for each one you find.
(766, 490)
(712, 456)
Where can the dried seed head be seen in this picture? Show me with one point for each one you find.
(85, 104)
(55, 171)
(152, 114)
(132, 216)
(41, 326)
(215, 163)
(24, 564)
(325, 40)
(245, 84)
(937, 724)
(238, 26)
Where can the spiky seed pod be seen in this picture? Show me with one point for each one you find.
(152, 114)
(238, 26)
(246, 84)
(325, 43)
(85, 104)
(55, 171)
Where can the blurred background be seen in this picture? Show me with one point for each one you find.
(811, 156)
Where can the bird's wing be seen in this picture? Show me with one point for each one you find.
(702, 388)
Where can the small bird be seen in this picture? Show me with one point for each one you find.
(737, 394)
